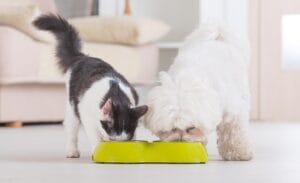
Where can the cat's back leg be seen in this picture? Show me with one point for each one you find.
(71, 124)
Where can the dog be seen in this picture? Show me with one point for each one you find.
(205, 89)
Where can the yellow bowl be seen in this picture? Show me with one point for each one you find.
(132, 152)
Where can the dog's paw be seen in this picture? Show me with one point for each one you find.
(194, 134)
(190, 134)
(238, 155)
(73, 154)
(233, 142)
(173, 135)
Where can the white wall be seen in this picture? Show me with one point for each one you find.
(182, 16)
(232, 13)
(108, 7)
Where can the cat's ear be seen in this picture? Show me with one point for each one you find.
(137, 112)
(107, 107)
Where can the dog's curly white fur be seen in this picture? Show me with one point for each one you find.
(205, 89)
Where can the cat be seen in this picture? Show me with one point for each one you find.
(98, 96)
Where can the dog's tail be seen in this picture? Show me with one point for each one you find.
(215, 32)
(69, 44)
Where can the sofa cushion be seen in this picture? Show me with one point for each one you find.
(20, 16)
(138, 64)
(35, 62)
(123, 29)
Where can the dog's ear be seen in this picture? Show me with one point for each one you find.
(138, 112)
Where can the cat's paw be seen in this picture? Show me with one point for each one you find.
(73, 154)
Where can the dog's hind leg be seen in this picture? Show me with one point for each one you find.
(71, 124)
(233, 141)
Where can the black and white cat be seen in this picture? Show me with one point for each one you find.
(99, 97)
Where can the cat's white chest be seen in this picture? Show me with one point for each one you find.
(89, 102)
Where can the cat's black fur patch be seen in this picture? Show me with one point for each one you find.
(121, 111)
(86, 70)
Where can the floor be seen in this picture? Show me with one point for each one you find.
(36, 154)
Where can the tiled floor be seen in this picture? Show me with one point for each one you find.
(36, 154)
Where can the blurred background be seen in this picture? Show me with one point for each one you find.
(32, 88)
(140, 38)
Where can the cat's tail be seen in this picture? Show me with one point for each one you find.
(69, 45)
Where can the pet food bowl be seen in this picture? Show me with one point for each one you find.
(134, 152)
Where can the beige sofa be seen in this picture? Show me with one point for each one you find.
(31, 86)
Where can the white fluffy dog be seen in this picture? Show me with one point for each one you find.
(205, 89)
